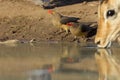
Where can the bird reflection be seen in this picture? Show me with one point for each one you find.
(70, 54)
(107, 66)
(41, 74)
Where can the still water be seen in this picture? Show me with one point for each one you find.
(57, 61)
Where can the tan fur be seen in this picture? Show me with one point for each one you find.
(108, 68)
(108, 28)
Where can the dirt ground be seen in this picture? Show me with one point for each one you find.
(23, 20)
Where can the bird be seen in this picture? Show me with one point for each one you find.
(82, 29)
(60, 21)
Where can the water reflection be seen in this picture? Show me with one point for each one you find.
(56, 61)
(108, 67)
(26, 62)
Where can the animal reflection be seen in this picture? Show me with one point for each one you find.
(108, 68)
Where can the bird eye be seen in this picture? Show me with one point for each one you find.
(110, 13)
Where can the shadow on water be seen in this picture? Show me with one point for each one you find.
(57, 61)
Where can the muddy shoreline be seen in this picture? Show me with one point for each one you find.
(23, 20)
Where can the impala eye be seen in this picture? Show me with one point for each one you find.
(110, 13)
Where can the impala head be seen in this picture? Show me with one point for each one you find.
(108, 22)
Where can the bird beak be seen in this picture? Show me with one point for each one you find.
(50, 11)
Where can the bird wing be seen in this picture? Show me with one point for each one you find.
(89, 30)
(85, 27)
(92, 32)
(65, 20)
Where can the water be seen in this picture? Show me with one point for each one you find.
(55, 61)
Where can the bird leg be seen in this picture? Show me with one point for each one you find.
(61, 30)
(75, 38)
(84, 39)
(67, 31)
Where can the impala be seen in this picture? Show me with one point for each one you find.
(108, 22)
